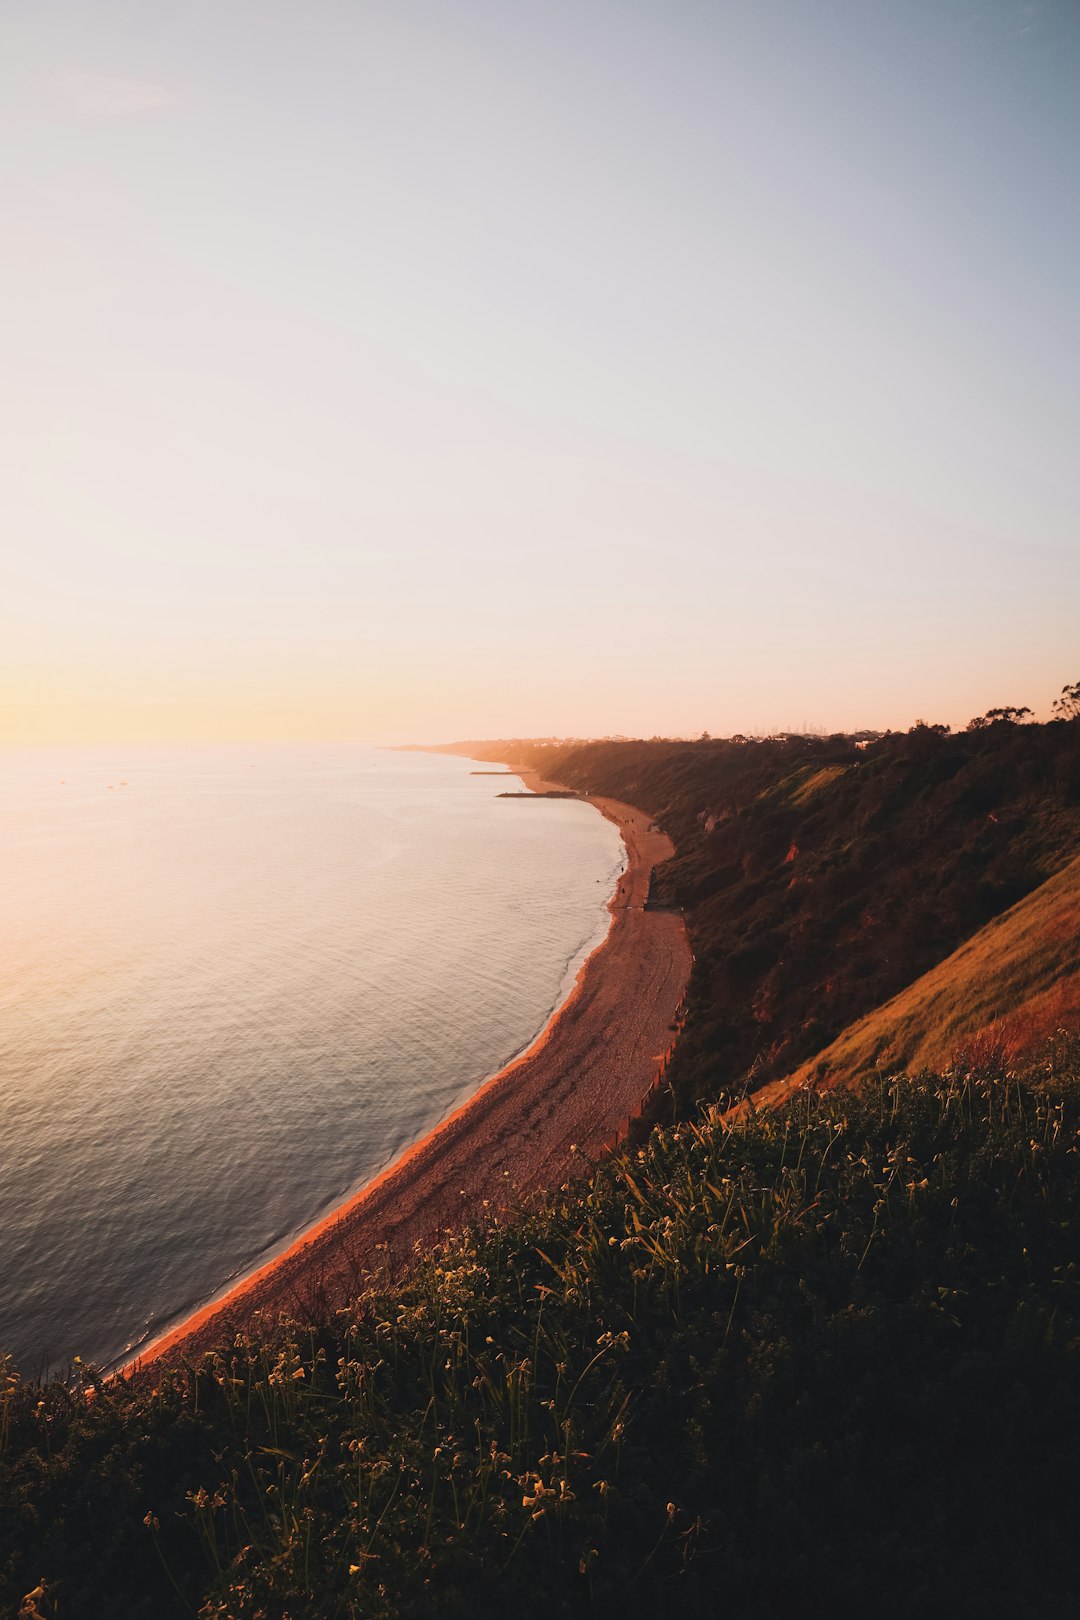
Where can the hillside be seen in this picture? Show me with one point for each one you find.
(997, 998)
(818, 1357)
(820, 878)
(824, 1363)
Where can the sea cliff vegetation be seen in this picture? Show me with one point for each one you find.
(822, 875)
(826, 1360)
(821, 1357)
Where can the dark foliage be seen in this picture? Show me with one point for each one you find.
(820, 877)
(825, 1363)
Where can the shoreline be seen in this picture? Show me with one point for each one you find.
(548, 1112)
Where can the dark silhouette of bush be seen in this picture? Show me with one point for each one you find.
(1067, 706)
(998, 717)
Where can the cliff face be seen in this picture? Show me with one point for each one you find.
(822, 876)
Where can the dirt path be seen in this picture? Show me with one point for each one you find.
(540, 1119)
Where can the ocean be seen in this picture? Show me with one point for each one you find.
(237, 982)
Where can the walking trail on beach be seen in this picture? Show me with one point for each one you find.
(544, 1117)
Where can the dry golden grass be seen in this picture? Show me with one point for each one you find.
(801, 785)
(997, 996)
(815, 781)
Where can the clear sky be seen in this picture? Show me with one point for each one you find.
(415, 369)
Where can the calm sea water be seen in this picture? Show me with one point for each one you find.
(233, 985)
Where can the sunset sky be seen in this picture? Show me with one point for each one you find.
(406, 371)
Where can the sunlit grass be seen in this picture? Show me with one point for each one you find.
(576, 1406)
(995, 998)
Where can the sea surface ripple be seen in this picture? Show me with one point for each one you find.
(234, 984)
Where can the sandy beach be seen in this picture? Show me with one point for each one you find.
(543, 1117)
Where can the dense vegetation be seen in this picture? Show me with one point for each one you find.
(820, 877)
(826, 1362)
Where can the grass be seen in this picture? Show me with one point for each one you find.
(814, 781)
(1006, 988)
(834, 1351)
(826, 1360)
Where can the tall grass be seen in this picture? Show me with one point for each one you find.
(836, 1345)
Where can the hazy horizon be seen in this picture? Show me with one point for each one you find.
(411, 373)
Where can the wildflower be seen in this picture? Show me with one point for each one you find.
(28, 1609)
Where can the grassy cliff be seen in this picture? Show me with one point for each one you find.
(824, 1360)
(820, 878)
(1003, 992)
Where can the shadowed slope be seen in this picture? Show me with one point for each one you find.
(1001, 992)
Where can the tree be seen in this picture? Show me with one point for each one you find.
(1067, 706)
(997, 717)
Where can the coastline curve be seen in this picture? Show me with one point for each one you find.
(546, 1114)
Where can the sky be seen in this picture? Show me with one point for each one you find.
(402, 371)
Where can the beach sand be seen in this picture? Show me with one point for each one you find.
(544, 1117)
